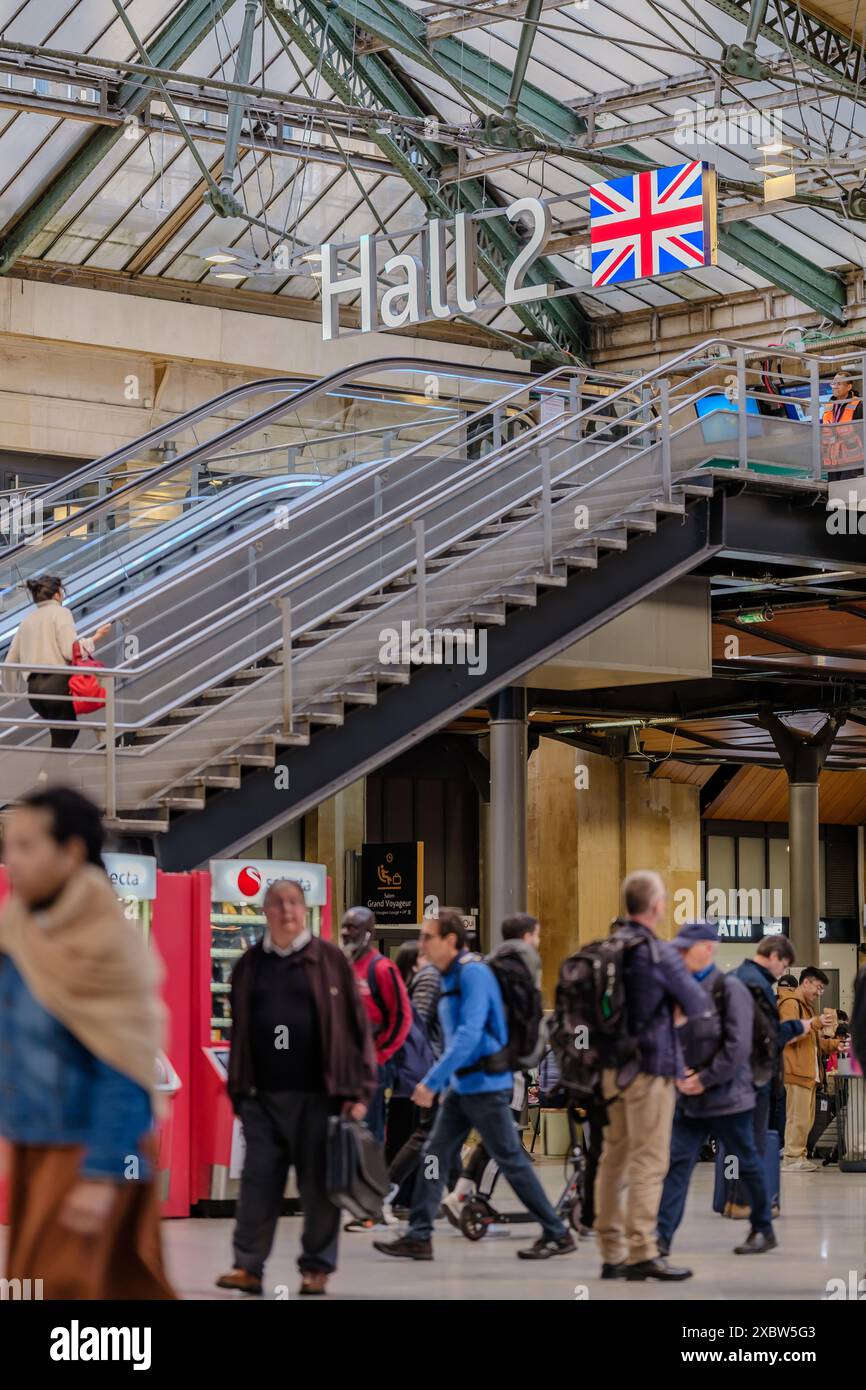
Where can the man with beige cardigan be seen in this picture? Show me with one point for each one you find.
(803, 1065)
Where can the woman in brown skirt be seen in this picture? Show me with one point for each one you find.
(80, 1029)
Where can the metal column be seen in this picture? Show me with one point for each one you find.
(506, 857)
(805, 885)
(803, 756)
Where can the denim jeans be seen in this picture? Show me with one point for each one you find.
(377, 1114)
(736, 1134)
(488, 1112)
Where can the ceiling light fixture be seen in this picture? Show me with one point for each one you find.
(217, 256)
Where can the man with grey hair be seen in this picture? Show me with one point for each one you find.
(301, 1052)
(636, 1149)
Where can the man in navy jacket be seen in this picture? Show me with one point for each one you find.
(716, 1097)
(636, 1148)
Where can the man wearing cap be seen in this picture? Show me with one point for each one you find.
(716, 1095)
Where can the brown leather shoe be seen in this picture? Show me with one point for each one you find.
(314, 1281)
(241, 1280)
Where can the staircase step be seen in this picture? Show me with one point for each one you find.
(137, 823)
(217, 694)
(581, 560)
(179, 801)
(555, 580)
(298, 738)
(614, 539)
(516, 598)
(484, 617)
(325, 712)
(390, 675)
(358, 692)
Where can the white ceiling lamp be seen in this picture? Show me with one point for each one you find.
(217, 255)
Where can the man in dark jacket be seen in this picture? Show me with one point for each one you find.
(761, 974)
(716, 1095)
(634, 1157)
(301, 1051)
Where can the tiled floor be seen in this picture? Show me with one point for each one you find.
(821, 1237)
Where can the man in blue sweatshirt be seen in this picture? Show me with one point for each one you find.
(473, 1073)
(716, 1096)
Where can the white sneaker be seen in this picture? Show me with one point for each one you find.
(451, 1205)
(799, 1165)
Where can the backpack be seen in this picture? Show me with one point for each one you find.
(414, 1059)
(524, 1013)
(765, 1056)
(589, 1028)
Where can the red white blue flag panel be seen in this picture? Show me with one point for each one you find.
(651, 223)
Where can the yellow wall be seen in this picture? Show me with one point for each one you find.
(582, 842)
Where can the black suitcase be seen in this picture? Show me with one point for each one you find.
(356, 1177)
(825, 1109)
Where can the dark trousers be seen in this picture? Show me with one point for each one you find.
(44, 683)
(488, 1112)
(285, 1129)
(596, 1116)
(378, 1111)
(405, 1161)
(761, 1124)
(736, 1134)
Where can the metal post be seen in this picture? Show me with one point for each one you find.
(243, 63)
(665, 404)
(815, 412)
(507, 821)
(110, 749)
(803, 843)
(288, 700)
(420, 573)
(863, 400)
(387, 442)
(521, 58)
(497, 428)
(742, 417)
(546, 510)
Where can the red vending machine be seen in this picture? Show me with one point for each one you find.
(226, 923)
(161, 906)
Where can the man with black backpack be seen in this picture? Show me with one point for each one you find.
(716, 1096)
(484, 1041)
(634, 983)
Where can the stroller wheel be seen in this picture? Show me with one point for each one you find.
(474, 1220)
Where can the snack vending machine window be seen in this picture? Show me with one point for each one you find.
(238, 888)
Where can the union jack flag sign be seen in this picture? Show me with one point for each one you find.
(652, 223)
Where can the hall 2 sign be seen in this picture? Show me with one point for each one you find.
(422, 292)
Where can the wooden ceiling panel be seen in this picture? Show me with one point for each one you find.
(759, 793)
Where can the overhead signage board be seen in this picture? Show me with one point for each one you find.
(132, 875)
(392, 882)
(668, 214)
(247, 880)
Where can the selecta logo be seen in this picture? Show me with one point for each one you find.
(249, 881)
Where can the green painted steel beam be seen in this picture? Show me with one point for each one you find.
(329, 41)
(178, 38)
(389, 20)
(804, 36)
(821, 289)
(406, 32)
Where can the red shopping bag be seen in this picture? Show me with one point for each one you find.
(88, 695)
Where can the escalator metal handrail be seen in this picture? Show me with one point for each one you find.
(322, 386)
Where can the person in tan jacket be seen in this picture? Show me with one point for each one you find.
(47, 637)
(804, 1064)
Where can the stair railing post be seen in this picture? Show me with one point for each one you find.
(815, 414)
(546, 510)
(665, 407)
(420, 573)
(742, 418)
(285, 606)
(110, 749)
(497, 428)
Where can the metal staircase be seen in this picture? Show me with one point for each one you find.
(281, 691)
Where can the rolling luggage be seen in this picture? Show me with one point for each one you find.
(724, 1188)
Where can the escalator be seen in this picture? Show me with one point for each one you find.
(521, 523)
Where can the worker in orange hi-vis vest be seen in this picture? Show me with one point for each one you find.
(842, 446)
